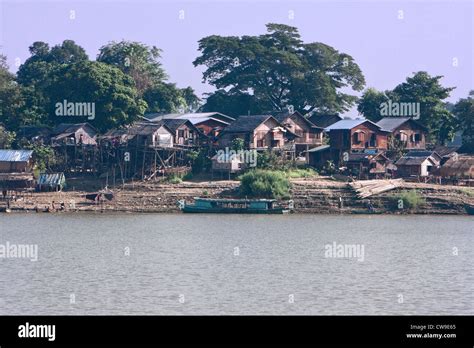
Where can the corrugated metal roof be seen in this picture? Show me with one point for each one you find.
(389, 124)
(15, 155)
(319, 148)
(345, 124)
(53, 179)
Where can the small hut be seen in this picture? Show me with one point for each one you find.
(458, 167)
(51, 182)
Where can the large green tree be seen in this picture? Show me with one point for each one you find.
(142, 63)
(234, 103)
(10, 97)
(279, 69)
(112, 92)
(137, 60)
(420, 88)
(464, 112)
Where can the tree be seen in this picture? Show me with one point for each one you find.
(165, 98)
(370, 102)
(10, 97)
(6, 138)
(109, 90)
(35, 76)
(137, 60)
(278, 70)
(192, 100)
(234, 104)
(464, 112)
(423, 89)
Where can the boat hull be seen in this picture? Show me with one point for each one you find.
(192, 209)
(469, 209)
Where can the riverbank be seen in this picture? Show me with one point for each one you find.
(320, 195)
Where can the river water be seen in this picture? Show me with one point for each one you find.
(236, 264)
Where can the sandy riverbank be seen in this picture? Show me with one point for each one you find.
(315, 196)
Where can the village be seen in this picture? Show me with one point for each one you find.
(179, 152)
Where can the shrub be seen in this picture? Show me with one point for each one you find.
(174, 179)
(301, 173)
(265, 184)
(411, 199)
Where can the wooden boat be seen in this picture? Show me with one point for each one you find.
(469, 209)
(234, 206)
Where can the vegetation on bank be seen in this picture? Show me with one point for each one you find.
(265, 184)
(408, 199)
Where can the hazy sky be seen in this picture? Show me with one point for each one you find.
(435, 36)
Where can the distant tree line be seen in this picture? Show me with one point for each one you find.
(252, 75)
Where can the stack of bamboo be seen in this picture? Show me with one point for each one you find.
(369, 188)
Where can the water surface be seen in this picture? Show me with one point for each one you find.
(237, 264)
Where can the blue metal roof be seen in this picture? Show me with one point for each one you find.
(15, 155)
(345, 124)
(54, 179)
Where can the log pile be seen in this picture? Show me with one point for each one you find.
(369, 188)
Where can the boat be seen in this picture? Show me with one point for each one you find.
(234, 206)
(469, 209)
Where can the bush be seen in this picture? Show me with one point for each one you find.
(174, 179)
(301, 173)
(265, 184)
(410, 199)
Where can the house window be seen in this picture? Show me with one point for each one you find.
(358, 137)
(181, 133)
(373, 140)
(403, 137)
(417, 137)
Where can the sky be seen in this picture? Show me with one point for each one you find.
(389, 40)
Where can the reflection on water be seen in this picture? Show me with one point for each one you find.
(246, 264)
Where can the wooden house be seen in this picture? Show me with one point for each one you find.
(74, 134)
(355, 135)
(151, 134)
(409, 133)
(417, 163)
(367, 166)
(309, 135)
(209, 123)
(257, 132)
(185, 133)
(16, 169)
(51, 182)
(16, 161)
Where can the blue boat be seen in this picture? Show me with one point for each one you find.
(234, 206)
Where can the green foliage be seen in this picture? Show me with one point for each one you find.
(113, 93)
(464, 112)
(280, 70)
(238, 144)
(43, 156)
(234, 103)
(6, 138)
(137, 60)
(301, 173)
(199, 160)
(420, 88)
(411, 199)
(264, 183)
(174, 179)
(188, 176)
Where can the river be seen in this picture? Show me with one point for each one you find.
(236, 264)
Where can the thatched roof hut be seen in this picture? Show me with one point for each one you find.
(460, 166)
